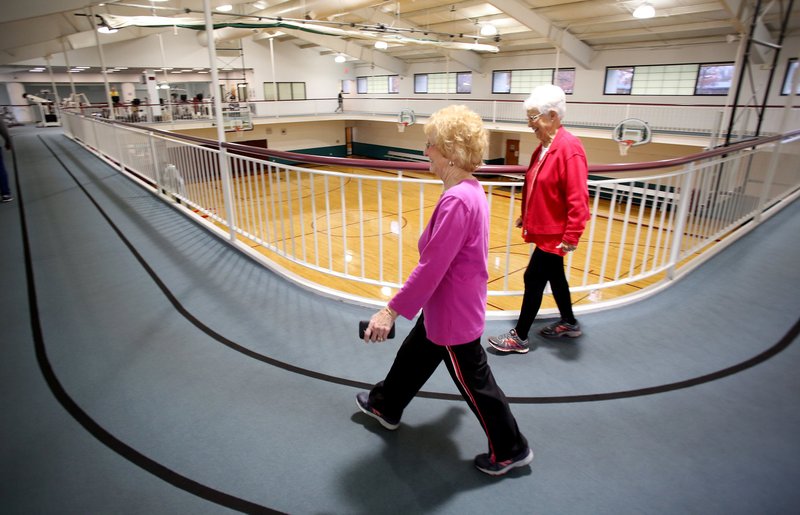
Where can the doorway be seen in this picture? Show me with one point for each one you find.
(512, 152)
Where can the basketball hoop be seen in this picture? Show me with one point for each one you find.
(404, 119)
(624, 145)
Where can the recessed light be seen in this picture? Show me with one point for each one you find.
(644, 11)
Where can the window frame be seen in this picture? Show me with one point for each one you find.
(792, 65)
(456, 78)
(366, 82)
(709, 65)
(648, 73)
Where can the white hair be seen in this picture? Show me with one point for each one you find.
(546, 98)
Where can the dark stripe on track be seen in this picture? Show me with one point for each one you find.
(95, 429)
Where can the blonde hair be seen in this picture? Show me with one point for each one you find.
(458, 133)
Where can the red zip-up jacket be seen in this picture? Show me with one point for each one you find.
(555, 206)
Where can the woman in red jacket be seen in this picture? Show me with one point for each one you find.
(555, 208)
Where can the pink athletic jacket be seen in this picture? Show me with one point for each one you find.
(450, 281)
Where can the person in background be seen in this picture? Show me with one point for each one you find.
(449, 284)
(555, 208)
(5, 188)
(340, 99)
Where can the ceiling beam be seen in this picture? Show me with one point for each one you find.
(349, 47)
(467, 58)
(560, 38)
(652, 32)
(741, 13)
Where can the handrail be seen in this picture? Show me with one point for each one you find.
(483, 170)
(705, 154)
(313, 225)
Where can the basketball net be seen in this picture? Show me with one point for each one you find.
(401, 127)
(238, 126)
(624, 145)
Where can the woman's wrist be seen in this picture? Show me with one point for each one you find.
(392, 313)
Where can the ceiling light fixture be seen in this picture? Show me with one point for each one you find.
(340, 58)
(644, 11)
(224, 8)
(381, 45)
(105, 29)
(260, 5)
(487, 29)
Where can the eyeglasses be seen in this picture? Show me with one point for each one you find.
(535, 117)
(428, 145)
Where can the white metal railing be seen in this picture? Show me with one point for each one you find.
(355, 231)
(681, 119)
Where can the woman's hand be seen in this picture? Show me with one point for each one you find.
(566, 247)
(518, 222)
(379, 325)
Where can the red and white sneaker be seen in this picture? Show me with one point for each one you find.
(561, 329)
(487, 465)
(509, 342)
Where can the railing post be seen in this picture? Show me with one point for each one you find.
(116, 129)
(94, 134)
(227, 197)
(156, 169)
(773, 165)
(684, 199)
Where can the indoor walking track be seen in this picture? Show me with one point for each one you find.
(147, 367)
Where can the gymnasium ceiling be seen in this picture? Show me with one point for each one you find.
(33, 29)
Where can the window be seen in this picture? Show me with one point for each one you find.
(714, 79)
(459, 82)
(285, 91)
(378, 84)
(674, 79)
(464, 82)
(501, 82)
(523, 81)
(618, 81)
(669, 79)
(421, 83)
(345, 86)
(394, 83)
(565, 79)
(791, 71)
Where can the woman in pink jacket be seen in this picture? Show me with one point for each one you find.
(450, 285)
(555, 208)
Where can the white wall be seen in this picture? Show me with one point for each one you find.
(322, 75)
(283, 135)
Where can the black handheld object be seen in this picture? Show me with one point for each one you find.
(362, 328)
